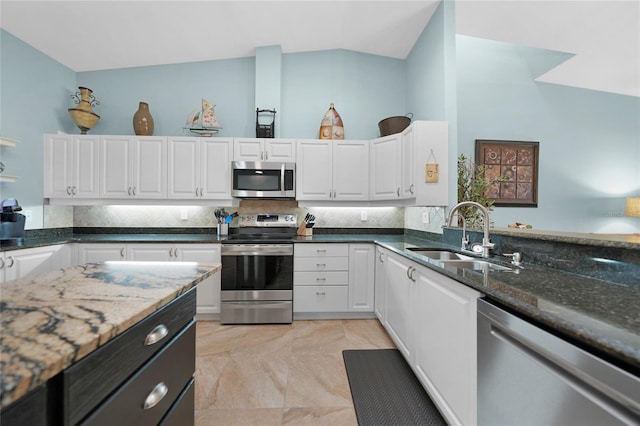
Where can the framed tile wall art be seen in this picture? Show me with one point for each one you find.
(517, 162)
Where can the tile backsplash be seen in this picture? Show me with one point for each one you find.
(200, 216)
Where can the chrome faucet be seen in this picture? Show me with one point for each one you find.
(486, 242)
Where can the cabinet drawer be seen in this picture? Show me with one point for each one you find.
(318, 250)
(172, 368)
(90, 380)
(182, 411)
(321, 278)
(321, 264)
(320, 298)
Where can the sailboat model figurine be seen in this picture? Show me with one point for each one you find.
(204, 121)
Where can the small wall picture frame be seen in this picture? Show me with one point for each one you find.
(517, 162)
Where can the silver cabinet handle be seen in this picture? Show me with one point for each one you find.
(262, 155)
(134, 191)
(73, 190)
(411, 274)
(398, 191)
(175, 252)
(68, 190)
(411, 188)
(129, 191)
(158, 333)
(266, 155)
(321, 279)
(12, 262)
(155, 396)
(318, 293)
(334, 194)
(122, 252)
(321, 265)
(1, 263)
(381, 257)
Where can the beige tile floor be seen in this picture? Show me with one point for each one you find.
(279, 374)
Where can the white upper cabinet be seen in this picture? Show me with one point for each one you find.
(386, 161)
(332, 170)
(71, 166)
(199, 168)
(133, 167)
(253, 149)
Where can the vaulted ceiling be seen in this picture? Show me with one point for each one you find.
(603, 36)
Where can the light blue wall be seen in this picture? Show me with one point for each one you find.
(34, 97)
(172, 92)
(364, 88)
(589, 140)
(269, 85)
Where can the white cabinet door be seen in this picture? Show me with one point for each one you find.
(184, 164)
(71, 166)
(248, 149)
(380, 285)
(445, 345)
(361, 277)
(351, 170)
(408, 166)
(280, 150)
(18, 264)
(314, 170)
(149, 167)
(215, 182)
(115, 165)
(208, 294)
(399, 307)
(255, 149)
(95, 253)
(385, 168)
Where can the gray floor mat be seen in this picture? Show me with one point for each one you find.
(386, 392)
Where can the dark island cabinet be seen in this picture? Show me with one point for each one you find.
(142, 377)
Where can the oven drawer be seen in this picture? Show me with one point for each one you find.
(321, 250)
(321, 264)
(320, 298)
(321, 278)
(257, 312)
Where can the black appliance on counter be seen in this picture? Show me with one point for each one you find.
(257, 270)
(12, 228)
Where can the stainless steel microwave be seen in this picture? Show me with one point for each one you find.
(263, 179)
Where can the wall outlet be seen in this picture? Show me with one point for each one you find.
(426, 217)
(363, 215)
(184, 213)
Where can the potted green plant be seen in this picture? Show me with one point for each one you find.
(473, 186)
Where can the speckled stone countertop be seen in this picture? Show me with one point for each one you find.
(52, 320)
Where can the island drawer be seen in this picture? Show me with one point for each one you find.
(147, 396)
(92, 379)
(182, 412)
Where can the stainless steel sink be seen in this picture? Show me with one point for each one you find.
(440, 254)
(476, 265)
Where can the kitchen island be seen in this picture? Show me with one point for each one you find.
(53, 323)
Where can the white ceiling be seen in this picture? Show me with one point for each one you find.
(96, 35)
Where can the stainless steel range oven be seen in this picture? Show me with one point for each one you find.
(257, 270)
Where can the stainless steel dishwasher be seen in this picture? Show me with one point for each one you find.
(527, 376)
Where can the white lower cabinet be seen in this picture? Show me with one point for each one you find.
(333, 278)
(432, 320)
(208, 299)
(16, 264)
(445, 348)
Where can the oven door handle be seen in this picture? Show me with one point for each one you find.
(257, 250)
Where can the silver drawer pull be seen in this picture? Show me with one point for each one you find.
(320, 293)
(321, 279)
(321, 265)
(156, 395)
(157, 334)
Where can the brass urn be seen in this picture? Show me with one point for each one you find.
(83, 114)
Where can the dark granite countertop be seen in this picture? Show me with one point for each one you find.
(52, 320)
(598, 314)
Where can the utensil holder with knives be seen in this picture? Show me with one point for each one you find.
(306, 226)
